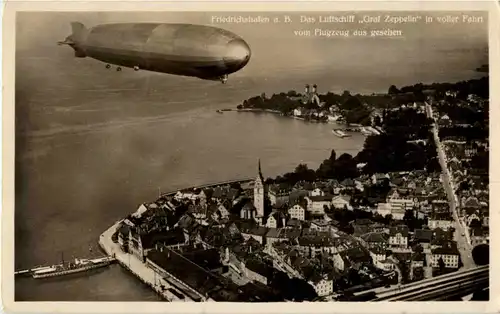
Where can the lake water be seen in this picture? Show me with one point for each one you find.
(71, 187)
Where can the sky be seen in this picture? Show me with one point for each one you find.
(275, 46)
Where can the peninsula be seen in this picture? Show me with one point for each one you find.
(411, 206)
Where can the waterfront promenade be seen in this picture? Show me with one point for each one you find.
(135, 266)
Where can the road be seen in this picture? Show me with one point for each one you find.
(461, 231)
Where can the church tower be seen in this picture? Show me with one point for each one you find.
(258, 196)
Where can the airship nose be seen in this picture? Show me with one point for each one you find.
(237, 54)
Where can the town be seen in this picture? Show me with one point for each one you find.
(412, 205)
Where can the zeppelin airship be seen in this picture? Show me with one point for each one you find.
(200, 51)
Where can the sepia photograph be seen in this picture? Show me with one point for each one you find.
(251, 156)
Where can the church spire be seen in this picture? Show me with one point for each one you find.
(260, 172)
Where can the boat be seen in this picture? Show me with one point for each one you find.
(219, 111)
(365, 131)
(340, 133)
(77, 266)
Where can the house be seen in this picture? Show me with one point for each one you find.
(398, 213)
(384, 209)
(123, 235)
(341, 201)
(376, 240)
(257, 233)
(348, 184)
(441, 220)
(444, 120)
(281, 234)
(471, 202)
(417, 259)
(317, 192)
(223, 209)
(322, 284)
(312, 246)
(257, 270)
(441, 238)
(276, 219)
(479, 235)
(297, 211)
(448, 253)
(294, 223)
(279, 195)
(387, 264)
(470, 218)
(398, 237)
(297, 112)
(378, 255)
(141, 243)
(316, 204)
(379, 178)
(320, 225)
(401, 198)
(423, 237)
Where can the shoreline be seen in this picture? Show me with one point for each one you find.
(345, 127)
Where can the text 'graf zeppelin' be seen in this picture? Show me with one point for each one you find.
(372, 25)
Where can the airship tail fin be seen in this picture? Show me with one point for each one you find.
(79, 31)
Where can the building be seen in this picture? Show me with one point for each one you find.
(258, 196)
(316, 204)
(448, 253)
(297, 211)
(441, 220)
(398, 237)
(317, 192)
(322, 284)
(341, 201)
(379, 178)
(378, 255)
(375, 240)
(277, 219)
(248, 211)
(479, 235)
(282, 234)
(401, 199)
(423, 237)
(384, 209)
(257, 270)
(257, 233)
(279, 195)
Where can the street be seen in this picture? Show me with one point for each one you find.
(461, 231)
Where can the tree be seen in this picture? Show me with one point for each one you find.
(475, 223)
(418, 274)
(441, 265)
(393, 90)
(481, 254)
(333, 155)
(418, 248)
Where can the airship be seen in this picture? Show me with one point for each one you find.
(205, 52)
